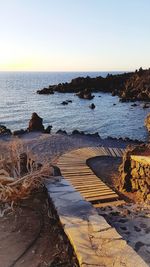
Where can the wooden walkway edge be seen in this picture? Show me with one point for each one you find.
(74, 169)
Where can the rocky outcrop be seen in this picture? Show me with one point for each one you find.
(19, 132)
(4, 130)
(128, 86)
(36, 123)
(112, 83)
(46, 91)
(135, 172)
(137, 87)
(85, 94)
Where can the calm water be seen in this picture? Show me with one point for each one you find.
(18, 99)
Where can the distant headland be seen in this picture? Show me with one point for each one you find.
(129, 86)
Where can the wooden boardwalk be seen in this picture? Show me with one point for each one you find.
(74, 169)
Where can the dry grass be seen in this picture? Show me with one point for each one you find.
(13, 184)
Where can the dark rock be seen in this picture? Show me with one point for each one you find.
(134, 105)
(19, 132)
(114, 93)
(128, 86)
(4, 130)
(36, 123)
(57, 171)
(92, 106)
(48, 129)
(77, 132)
(64, 103)
(69, 101)
(95, 134)
(146, 105)
(46, 91)
(61, 132)
(85, 94)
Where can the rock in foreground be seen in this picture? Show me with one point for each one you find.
(135, 172)
(4, 130)
(36, 123)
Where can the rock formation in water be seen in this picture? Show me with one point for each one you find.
(85, 94)
(128, 86)
(92, 106)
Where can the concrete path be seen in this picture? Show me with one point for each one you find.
(95, 242)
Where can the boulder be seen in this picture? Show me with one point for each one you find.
(4, 130)
(36, 123)
(77, 132)
(92, 106)
(64, 103)
(85, 94)
(61, 132)
(19, 132)
(146, 105)
(48, 129)
(134, 105)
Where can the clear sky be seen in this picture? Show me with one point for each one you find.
(74, 35)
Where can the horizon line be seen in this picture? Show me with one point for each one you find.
(115, 70)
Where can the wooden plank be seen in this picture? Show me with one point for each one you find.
(90, 192)
(112, 152)
(81, 176)
(101, 194)
(98, 198)
(83, 184)
(110, 203)
(95, 188)
(89, 186)
(88, 175)
(84, 179)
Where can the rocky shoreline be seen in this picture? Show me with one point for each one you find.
(36, 125)
(132, 86)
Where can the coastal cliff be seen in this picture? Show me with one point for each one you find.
(130, 86)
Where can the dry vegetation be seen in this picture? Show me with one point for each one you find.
(20, 173)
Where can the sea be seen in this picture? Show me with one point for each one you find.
(18, 100)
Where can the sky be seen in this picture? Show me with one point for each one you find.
(74, 35)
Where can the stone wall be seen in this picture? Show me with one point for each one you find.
(135, 173)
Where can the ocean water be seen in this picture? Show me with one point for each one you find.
(18, 99)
